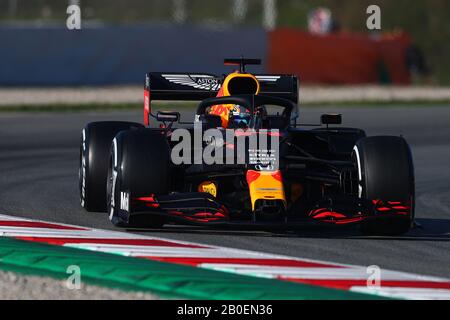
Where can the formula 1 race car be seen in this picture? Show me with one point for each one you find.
(243, 161)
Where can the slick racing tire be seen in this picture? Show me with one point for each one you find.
(386, 172)
(139, 167)
(96, 139)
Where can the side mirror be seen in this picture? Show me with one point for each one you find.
(168, 116)
(328, 119)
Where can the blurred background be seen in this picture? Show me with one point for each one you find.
(324, 42)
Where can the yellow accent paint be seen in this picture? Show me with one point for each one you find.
(224, 110)
(208, 187)
(266, 187)
(231, 76)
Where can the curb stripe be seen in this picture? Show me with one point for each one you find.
(33, 224)
(406, 293)
(233, 261)
(284, 273)
(126, 242)
(236, 261)
(349, 283)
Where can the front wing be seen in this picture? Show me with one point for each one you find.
(204, 209)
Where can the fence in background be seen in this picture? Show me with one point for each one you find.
(119, 54)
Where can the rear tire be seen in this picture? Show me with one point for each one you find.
(386, 172)
(96, 139)
(139, 167)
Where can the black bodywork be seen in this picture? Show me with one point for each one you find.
(328, 174)
(320, 160)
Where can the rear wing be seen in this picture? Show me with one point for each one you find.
(200, 86)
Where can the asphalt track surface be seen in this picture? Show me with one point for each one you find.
(39, 176)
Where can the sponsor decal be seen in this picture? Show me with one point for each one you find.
(208, 187)
(202, 82)
(114, 180)
(125, 201)
(82, 172)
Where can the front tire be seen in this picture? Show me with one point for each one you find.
(96, 139)
(386, 173)
(139, 167)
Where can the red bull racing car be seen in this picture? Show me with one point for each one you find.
(244, 160)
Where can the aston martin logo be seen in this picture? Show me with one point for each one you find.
(202, 82)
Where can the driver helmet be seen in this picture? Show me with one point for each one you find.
(240, 117)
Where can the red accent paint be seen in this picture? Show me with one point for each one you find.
(129, 242)
(204, 214)
(400, 208)
(243, 261)
(178, 213)
(36, 224)
(221, 92)
(277, 176)
(152, 205)
(328, 214)
(392, 207)
(252, 176)
(350, 220)
(196, 219)
(147, 199)
(150, 201)
(201, 216)
(348, 283)
(147, 107)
